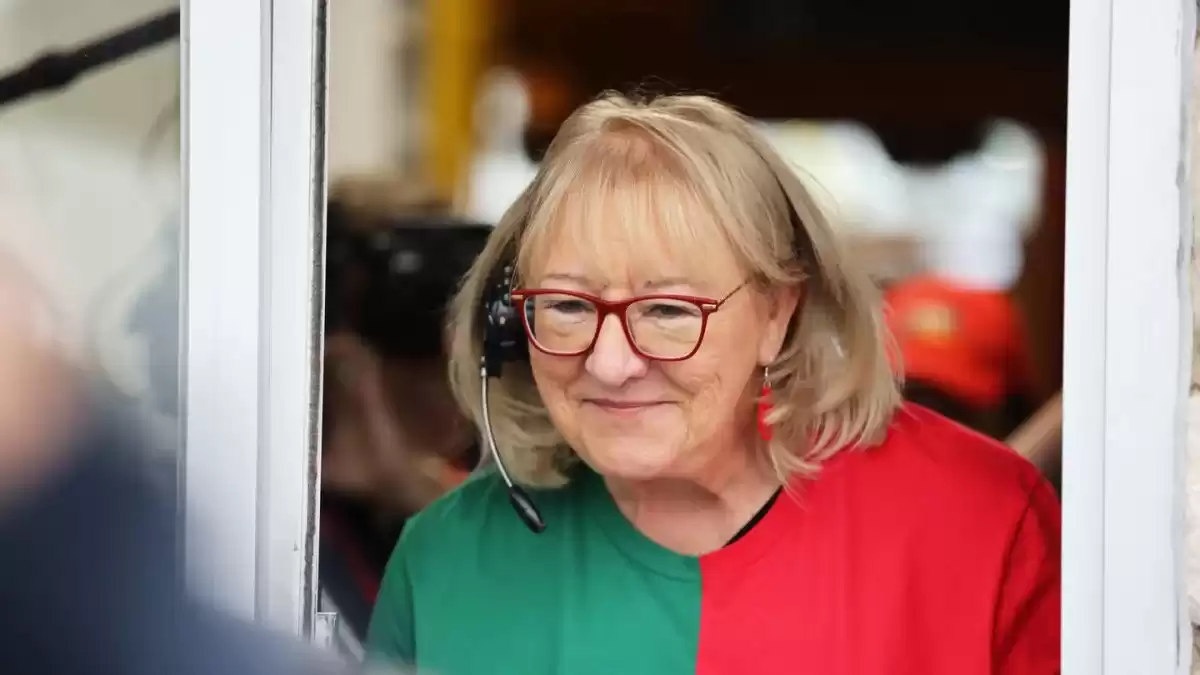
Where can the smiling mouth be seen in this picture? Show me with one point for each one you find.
(623, 406)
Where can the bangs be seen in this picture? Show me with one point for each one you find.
(629, 209)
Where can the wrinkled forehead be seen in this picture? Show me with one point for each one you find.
(630, 232)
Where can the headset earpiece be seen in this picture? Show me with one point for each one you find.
(503, 335)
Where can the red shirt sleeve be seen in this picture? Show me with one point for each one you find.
(1028, 614)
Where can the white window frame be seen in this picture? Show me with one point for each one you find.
(254, 173)
(1127, 342)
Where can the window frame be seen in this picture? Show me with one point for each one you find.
(253, 78)
(1127, 336)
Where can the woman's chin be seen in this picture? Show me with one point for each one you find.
(632, 460)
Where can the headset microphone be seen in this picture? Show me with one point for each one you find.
(504, 341)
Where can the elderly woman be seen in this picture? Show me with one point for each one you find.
(700, 408)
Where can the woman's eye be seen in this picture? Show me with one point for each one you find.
(670, 311)
(568, 306)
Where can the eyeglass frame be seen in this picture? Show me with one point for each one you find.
(620, 309)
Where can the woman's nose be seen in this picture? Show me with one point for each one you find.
(613, 360)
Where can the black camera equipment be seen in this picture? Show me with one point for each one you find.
(392, 282)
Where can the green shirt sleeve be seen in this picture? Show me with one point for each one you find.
(390, 636)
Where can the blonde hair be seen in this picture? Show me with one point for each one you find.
(832, 384)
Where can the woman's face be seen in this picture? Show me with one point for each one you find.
(635, 418)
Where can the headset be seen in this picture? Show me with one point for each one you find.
(504, 342)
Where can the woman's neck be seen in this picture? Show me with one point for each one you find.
(700, 513)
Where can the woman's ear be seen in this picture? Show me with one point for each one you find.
(782, 304)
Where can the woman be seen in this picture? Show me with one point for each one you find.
(707, 421)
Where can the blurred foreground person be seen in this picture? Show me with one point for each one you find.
(695, 417)
(90, 580)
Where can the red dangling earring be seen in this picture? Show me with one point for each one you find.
(764, 406)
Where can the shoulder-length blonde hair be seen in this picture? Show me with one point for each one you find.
(832, 384)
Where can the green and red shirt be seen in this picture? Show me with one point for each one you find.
(933, 553)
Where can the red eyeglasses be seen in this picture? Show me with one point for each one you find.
(661, 327)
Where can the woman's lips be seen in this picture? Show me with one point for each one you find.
(623, 407)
